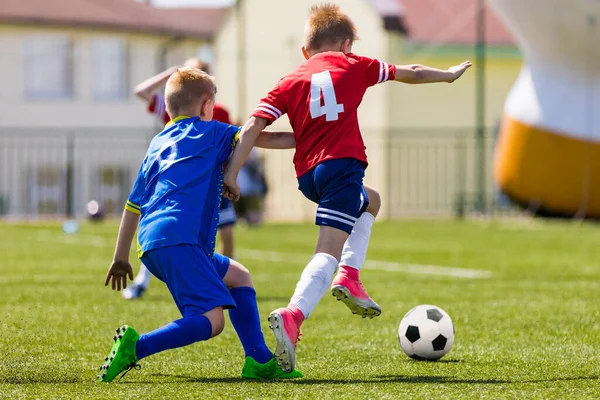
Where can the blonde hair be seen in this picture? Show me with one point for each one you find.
(187, 87)
(327, 24)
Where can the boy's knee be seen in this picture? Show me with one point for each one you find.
(374, 201)
(217, 321)
(237, 275)
(218, 327)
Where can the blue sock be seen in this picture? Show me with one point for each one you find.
(246, 321)
(182, 332)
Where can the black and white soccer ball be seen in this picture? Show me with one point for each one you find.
(426, 333)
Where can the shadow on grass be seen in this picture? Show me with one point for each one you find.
(407, 379)
(572, 378)
(25, 380)
(375, 379)
(28, 380)
(309, 381)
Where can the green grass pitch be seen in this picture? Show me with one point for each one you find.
(530, 330)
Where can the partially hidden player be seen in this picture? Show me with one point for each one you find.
(321, 98)
(148, 91)
(175, 200)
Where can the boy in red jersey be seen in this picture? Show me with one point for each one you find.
(321, 99)
(148, 91)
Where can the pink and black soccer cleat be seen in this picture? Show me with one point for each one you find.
(287, 334)
(346, 287)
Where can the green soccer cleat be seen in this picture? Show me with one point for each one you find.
(269, 370)
(122, 355)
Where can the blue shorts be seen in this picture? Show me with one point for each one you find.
(226, 213)
(194, 278)
(337, 187)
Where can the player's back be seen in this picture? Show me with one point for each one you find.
(180, 183)
(321, 98)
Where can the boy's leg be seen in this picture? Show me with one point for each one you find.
(200, 295)
(139, 284)
(244, 317)
(313, 285)
(226, 233)
(259, 363)
(346, 285)
(316, 277)
(193, 327)
(336, 187)
(227, 220)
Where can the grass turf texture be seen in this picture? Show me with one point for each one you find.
(531, 330)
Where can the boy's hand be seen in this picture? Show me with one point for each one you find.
(118, 273)
(458, 70)
(231, 189)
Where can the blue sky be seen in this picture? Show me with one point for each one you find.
(192, 3)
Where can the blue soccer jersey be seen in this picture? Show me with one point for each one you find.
(180, 183)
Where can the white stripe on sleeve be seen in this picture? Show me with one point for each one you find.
(264, 109)
(380, 71)
(387, 71)
(270, 107)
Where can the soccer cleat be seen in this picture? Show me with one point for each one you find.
(135, 291)
(269, 370)
(286, 334)
(122, 355)
(352, 293)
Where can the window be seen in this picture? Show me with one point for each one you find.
(48, 67)
(109, 69)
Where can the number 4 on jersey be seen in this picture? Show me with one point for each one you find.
(321, 83)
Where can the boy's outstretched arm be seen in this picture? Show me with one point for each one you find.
(250, 132)
(146, 89)
(120, 268)
(416, 73)
(276, 140)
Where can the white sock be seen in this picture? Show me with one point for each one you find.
(314, 282)
(143, 277)
(355, 248)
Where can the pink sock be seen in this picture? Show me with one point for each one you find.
(350, 272)
(297, 314)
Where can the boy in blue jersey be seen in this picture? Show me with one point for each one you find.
(175, 200)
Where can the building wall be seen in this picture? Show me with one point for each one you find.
(453, 105)
(82, 109)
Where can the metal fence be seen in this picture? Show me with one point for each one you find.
(440, 172)
(55, 172)
(50, 172)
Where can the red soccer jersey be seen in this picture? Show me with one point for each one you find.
(321, 99)
(158, 108)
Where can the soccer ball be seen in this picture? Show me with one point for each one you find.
(426, 333)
